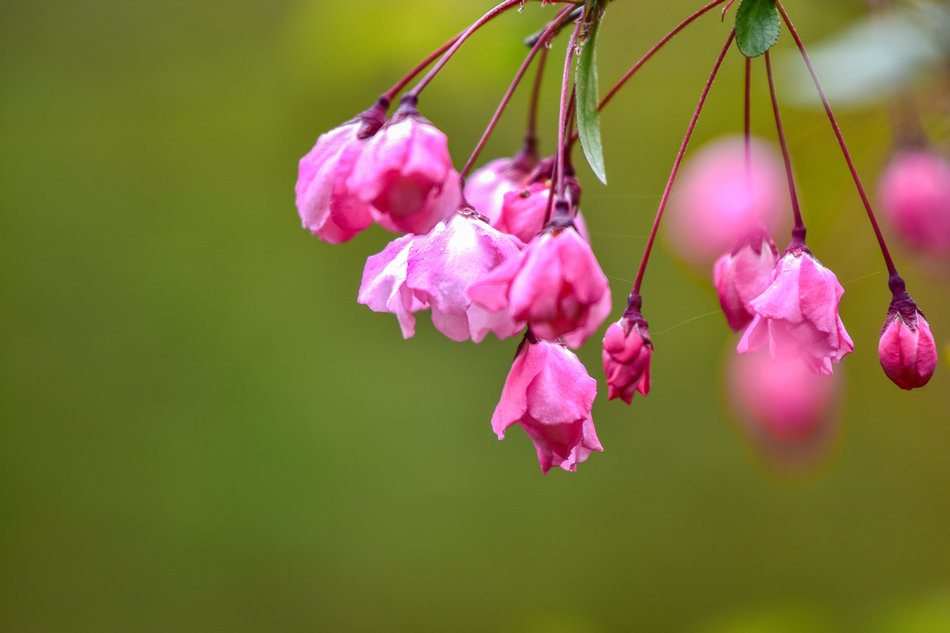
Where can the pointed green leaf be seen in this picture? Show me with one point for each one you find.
(757, 26)
(588, 118)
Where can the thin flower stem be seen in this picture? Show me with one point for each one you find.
(891, 269)
(798, 232)
(390, 94)
(747, 118)
(620, 83)
(495, 12)
(540, 45)
(676, 163)
(531, 129)
(567, 95)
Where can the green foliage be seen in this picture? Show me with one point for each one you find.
(588, 118)
(757, 26)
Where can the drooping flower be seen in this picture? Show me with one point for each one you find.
(555, 284)
(720, 196)
(406, 174)
(327, 205)
(743, 274)
(485, 189)
(798, 314)
(907, 349)
(550, 394)
(415, 272)
(626, 354)
(915, 196)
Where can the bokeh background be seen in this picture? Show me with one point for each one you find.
(203, 431)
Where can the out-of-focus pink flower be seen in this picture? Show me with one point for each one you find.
(445, 262)
(485, 189)
(719, 198)
(327, 206)
(550, 394)
(415, 272)
(788, 410)
(406, 174)
(798, 314)
(555, 284)
(384, 287)
(743, 274)
(626, 357)
(915, 196)
(907, 348)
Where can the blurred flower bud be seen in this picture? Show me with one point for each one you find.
(914, 192)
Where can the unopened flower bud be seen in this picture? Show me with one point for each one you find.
(743, 274)
(915, 196)
(907, 349)
(626, 357)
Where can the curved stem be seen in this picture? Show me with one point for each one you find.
(891, 269)
(495, 12)
(541, 44)
(676, 163)
(798, 232)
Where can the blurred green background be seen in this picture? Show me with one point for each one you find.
(202, 430)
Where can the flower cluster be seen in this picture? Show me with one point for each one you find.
(504, 249)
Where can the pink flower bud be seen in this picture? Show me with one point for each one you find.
(743, 274)
(326, 204)
(914, 191)
(907, 348)
(555, 284)
(626, 357)
(797, 315)
(406, 174)
(719, 198)
(550, 394)
(415, 272)
(523, 211)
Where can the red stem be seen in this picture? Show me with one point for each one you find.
(567, 91)
(676, 163)
(798, 232)
(390, 94)
(746, 122)
(541, 44)
(891, 269)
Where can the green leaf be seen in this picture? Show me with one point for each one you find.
(757, 26)
(588, 118)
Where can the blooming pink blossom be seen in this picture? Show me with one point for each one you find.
(415, 272)
(550, 394)
(406, 174)
(626, 357)
(555, 284)
(326, 204)
(915, 196)
(485, 189)
(720, 196)
(798, 314)
(907, 349)
(743, 274)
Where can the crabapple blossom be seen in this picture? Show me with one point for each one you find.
(327, 205)
(742, 274)
(485, 189)
(555, 284)
(798, 314)
(907, 349)
(550, 394)
(720, 197)
(914, 191)
(405, 173)
(626, 354)
(415, 272)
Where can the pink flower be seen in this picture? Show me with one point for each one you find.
(915, 196)
(550, 394)
(719, 198)
(743, 274)
(406, 174)
(523, 211)
(798, 314)
(626, 357)
(555, 284)
(907, 349)
(415, 272)
(327, 206)
(486, 188)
